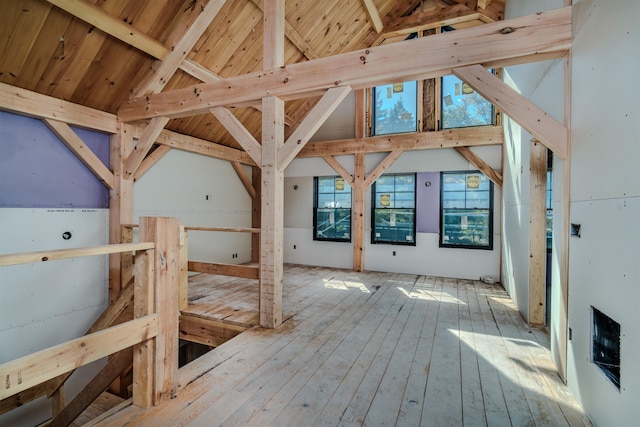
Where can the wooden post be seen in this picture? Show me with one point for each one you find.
(143, 353)
(272, 228)
(256, 208)
(537, 233)
(358, 212)
(272, 218)
(120, 204)
(165, 233)
(184, 269)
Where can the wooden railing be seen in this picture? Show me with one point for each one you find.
(153, 332)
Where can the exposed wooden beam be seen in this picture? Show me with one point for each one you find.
(32, 104)
(537, 233)
(244, 178)
(341, 170)
(483, 3)
(382, 166)
(310, 124)
(489, 135)
(151, 160)
(194, 145)
(181, 41)
(545, 128)
(292, 34)
(144, 144)
(519, 40)
(372, 14)
(80, 149)
(422, 21)
(239, 133)
(97, 17)
(482, 166)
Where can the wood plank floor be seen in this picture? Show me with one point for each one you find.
(373, 349)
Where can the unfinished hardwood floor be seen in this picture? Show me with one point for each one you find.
(374, 349)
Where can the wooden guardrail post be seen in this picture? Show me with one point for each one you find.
(165, 233)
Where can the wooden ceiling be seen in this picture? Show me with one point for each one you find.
(101, 53)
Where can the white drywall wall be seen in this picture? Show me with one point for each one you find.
(201, 191)
(45, 304)
(604, 271)
(605, 195)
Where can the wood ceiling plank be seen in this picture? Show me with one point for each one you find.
(163, 70)
(311, 123)
(428, 20)
(33, 104)
(80, 149)
(28, 25)
(373, 15)
(111, 25)
(530, 38)
(239, 132)
(292, 34)
(553, 134)
(482, 166)
(48, 46)
(486, 135)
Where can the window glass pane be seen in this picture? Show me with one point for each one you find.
(395, 107)
(467, 210)
(332, 209)
(463, 106)
(394, 209)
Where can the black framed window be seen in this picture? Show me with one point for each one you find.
(466, 210)
(393, 218)
(331, 209)
(395, 108)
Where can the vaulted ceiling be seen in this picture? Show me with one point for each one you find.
(102, 53)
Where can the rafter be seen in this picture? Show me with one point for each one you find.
(185, 39)
(373, 14)
(553, 134)
(529, 38)
(293, 35)
(422, 21)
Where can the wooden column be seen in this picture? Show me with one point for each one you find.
(358, 212)
(165, 233)
(256, 205)
(120, 205)
(144, 353)
(537, 233)
(272, 218)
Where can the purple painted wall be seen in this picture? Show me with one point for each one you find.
(428, 202)
(38, 171)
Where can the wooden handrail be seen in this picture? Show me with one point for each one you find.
(41, 256)
(222, 229)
